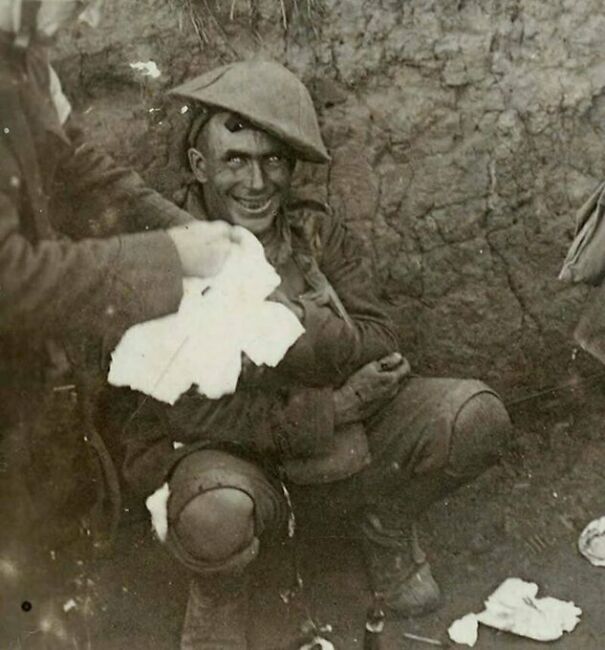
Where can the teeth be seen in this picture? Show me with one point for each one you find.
(254, 206)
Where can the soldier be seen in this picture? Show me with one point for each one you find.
(59, 285)
(340, 409)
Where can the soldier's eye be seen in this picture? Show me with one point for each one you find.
(275, 159)
(235, 161)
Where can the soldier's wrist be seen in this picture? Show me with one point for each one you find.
(346, 406)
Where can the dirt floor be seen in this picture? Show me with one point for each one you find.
(521, 519)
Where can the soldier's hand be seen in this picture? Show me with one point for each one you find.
(203, 246)
(368, 389)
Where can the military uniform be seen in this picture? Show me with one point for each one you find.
(312, 249)
(59, 292)
(288, 412)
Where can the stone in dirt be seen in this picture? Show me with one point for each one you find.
(147, 68)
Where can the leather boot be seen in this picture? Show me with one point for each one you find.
(217, 612)
(398, 569)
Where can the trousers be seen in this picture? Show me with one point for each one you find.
(434, 436)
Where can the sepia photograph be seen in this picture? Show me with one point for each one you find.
(302, 324)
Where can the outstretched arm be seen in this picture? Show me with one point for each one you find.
(123, 202)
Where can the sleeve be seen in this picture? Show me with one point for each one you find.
(302, 423)
(104, 285)
(148, 452)
(90, 177)
(332, 348)
(295, 423)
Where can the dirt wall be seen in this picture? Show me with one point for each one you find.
(464, 134)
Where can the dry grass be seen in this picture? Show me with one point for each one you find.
(211, 16)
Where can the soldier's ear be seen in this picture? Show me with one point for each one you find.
(197, 162)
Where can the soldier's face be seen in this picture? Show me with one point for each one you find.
(246, 173)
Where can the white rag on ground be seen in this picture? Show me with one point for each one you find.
(514, 608)
(202, 344)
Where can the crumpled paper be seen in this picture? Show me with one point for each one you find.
(202, 344)
(592, 542)
(514, 607)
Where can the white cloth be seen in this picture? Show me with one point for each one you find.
(514, 607)
(592, 542)
(157, 504)
(202, 344)
(60, 101)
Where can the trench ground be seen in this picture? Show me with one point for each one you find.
(521, 519)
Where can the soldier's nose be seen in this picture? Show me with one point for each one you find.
(256, 179)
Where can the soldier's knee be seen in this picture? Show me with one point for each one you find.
(216, 525)
(481, 431)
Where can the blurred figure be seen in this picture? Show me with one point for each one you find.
(61, 288)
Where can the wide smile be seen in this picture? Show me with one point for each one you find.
(254, 206)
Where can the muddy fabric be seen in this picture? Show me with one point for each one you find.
(266, 94)
(590, 330)
(60, 293)
(585, 260)
(207, 470)
(420, 419)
